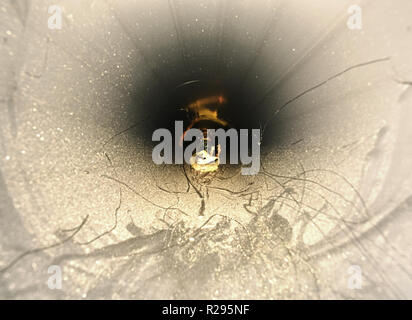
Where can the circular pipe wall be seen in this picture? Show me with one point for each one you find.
(80, 190)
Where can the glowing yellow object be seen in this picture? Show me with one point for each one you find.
(205, 112)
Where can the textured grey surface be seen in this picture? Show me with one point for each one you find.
(335, 187)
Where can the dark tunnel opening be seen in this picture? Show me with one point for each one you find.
(166, 88)
(160, 97)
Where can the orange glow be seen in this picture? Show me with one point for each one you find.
(205, 109)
